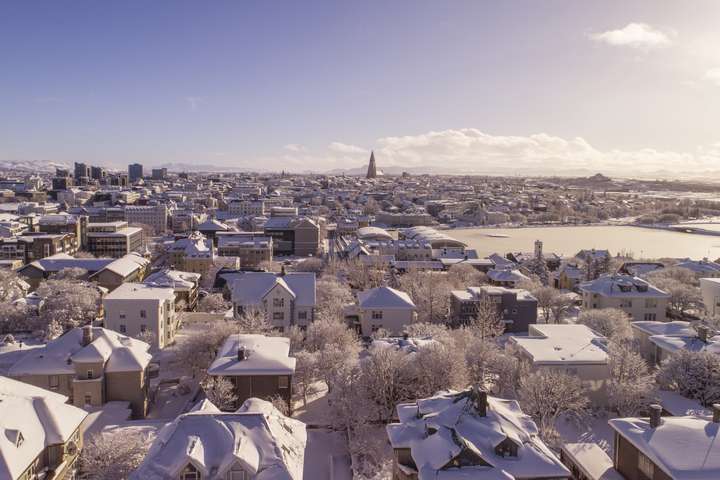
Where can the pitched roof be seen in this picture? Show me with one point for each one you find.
(249, 288)
(384, 297)
(264, 356)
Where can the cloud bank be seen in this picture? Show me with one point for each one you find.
(634, 35)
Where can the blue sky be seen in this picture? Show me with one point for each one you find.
(474, 85)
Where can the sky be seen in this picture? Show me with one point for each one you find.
(546, 86)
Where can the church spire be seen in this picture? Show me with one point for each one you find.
(372, 169)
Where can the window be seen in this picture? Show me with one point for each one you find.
(283, 382)
(123, 328)
(645, 466)
(88, 399)
(278, 315)
(651, 303)
(650, 316)
(90, 373)
(190, 473)
(302, 315)
(377, 315)
(143, 328)
(143, 314)
(278, 302)
(121, 315)
(236, 473)
(54, 382)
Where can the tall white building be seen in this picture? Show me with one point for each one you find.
(155, 216)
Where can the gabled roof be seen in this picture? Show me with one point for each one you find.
(257, 437)
(264, 356)
(385, 297)
(55, 263)
(250, 288)
(31, 419)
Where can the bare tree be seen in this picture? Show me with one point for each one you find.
(72, 274)
(611, 323)
(12, 286)
(631, 385)
(430, 291)
(197, 352)
(14, 317)
(364, 276)
(213, 303)
(306, 374)
(221, 392)
(546, 297)
(386, 380)
(112, 456)
(546, 394)
(486, 322)
(312, 265)
(253, 320)
(68, 303)
(560, 305)
(332, 296)
(463, 275)
(437, 366)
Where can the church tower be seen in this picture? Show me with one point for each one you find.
(372, 169)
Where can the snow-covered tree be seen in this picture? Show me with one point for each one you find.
(332, 296)
(546, 394)
(112, 456)
(462, 275)
(213, 303)
(491, 368)
(386, 380)
(364, 276)
(437, 366)
(612, 323)
(694, 375)
(197, 352)
(538, 268)
(71, 273)
(560, 305)
(253, 320)
(221, 392)
(486, 322)
(313, 265)
(12, 286)
(683, 296)
(631, 385)
(436, 331)
(306, 374)
(14, 317)
(430, 291)
(546, 297)
(67, 302)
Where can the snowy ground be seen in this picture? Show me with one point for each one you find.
(11, 353)
(594, 429)
(112, 413)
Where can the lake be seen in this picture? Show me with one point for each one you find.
(641, 242)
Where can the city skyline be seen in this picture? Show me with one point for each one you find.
(557, 88)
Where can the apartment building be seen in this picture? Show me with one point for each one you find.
(184, 284)
(41, 436)
(194, 253)
(285, 299)
(633, 295)
(710, 290)
(516, 307)
(114, 239)
(382, 307)
(299, 236)
(142, 311)
(252, 248)
(257, 365)
(41, 245)
(65, 223)
(91, 366)
(132, 267)
(247, 208)
(469, 434)
(154, 216)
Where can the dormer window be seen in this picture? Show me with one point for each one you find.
(190, 473)
(236, 472)
(506, 448)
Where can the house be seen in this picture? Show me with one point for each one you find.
(700, 340)
(568, 276)
(211, 227)
(643, 332)
(129, 268)
(41, 436)
(710, 289)
(91, 366)
(286, 299)
(516, 307)
(571, 348)
(250, 247)
(667, 448)
(291, 235)
(633, 295)
(701, 268)
(588, 461)
(39, 270)
(506, 277)
(257, 365)
(384, 307)
(254, 442)
(468, 434)
(194, 253)
(184, 284)
(140, 310)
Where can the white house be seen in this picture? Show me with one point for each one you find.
(256, 441)
(287, 299)
(572, 348)
(135, 309)
(701, 268)
(645, 331)
(635, 296)
(384, 307)
(710, 289)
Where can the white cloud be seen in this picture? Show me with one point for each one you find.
(345, 148)
(713, 75)
(295, 147)
(635, 35)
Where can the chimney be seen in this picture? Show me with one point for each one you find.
(282, 270)
(716, 412)
(702, 333)
(405, 336)
(480, 397)
(655, 415)
(242, 354)
(87, 335)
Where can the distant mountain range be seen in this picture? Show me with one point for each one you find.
(29, 166)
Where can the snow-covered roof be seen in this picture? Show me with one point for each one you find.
(373, 233)
(691, 343)
(440, 428)
(249, 288)
(593, 460)
(700, 266)
(55, 263)
(432, 236)
(140, 291)
(506, 275)
(195, 245)
(563, 344)
(119, 353)
(407, 345)
(31, 419)
(175, 279)
(685, 448)
(257, 438)
(619, 285)
(127, 264)
(501, 262)
(263, 356)
(213, 226)
(676, 327)
(385, 298)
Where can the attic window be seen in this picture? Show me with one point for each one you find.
(236, 472)
(190, 473)
(506, 448)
